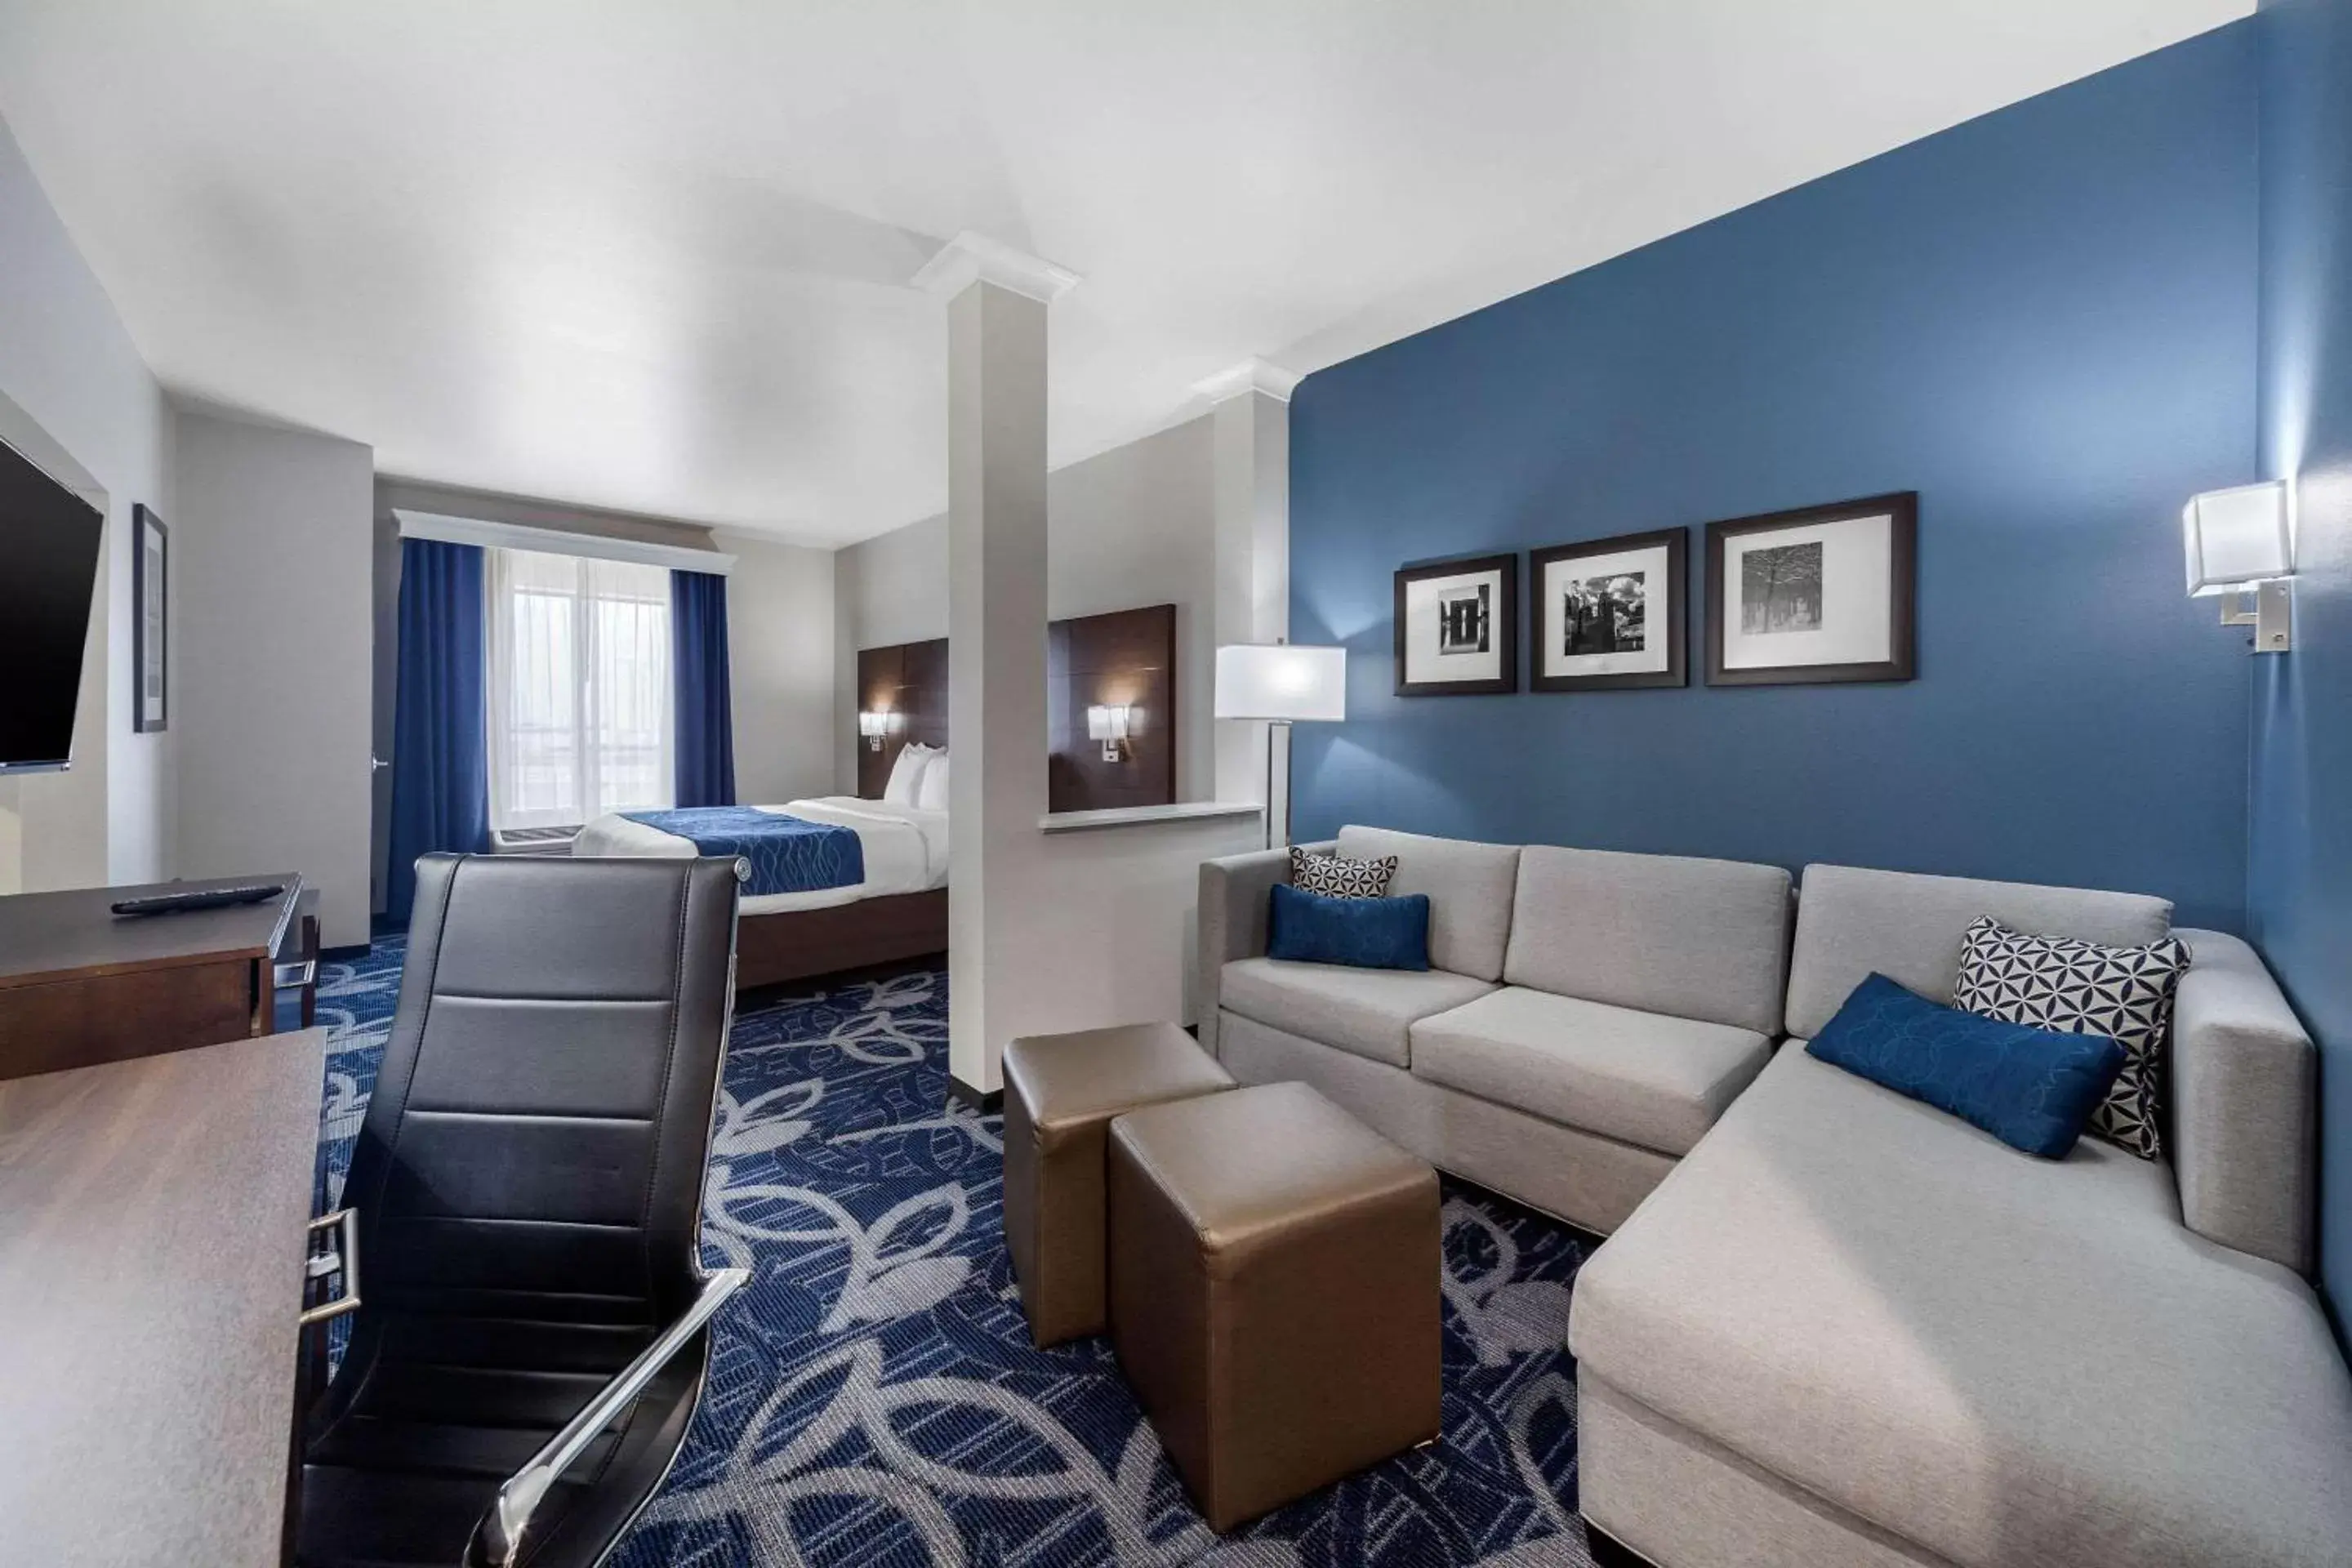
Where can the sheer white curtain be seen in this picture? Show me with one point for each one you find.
(579, 689)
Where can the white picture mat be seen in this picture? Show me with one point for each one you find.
(1857, 603)
(1422, 659)
(1653, 562)
(151, 619)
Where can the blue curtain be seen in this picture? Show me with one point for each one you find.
(703, 701)
(440, 758)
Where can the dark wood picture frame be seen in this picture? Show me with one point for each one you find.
(1504, 625)
(144, 656)
(1672, 598)
(1902, 507)
(1119, 658)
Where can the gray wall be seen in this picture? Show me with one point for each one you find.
(1135, 525)
(780, 639)
(273, 636)
(77, 398)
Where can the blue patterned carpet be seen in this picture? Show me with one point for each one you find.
(874, 1399)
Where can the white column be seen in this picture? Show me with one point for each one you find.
(996, 628)
(1250, 408)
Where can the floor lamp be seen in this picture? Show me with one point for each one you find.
(1283, 684)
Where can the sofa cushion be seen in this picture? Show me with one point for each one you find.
(1641, 1077)
(1469, 887)
(1366, 1011)
(1999, 1360)
(1699, 939)
(1337, 877)
(2123, 994)
(1908, 927)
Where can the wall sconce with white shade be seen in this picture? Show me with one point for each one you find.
(874, 726)
(1108, 723)
(1283, 684)
(2240, 544)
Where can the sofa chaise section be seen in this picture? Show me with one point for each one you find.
(1850, 1329)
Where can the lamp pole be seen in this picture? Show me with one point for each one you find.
(1271, 726)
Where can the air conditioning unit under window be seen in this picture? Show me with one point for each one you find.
(532, 840)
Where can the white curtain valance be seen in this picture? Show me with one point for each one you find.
(560, 541)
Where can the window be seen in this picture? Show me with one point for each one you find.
(579, 689)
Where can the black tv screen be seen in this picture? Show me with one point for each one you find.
(49, 563)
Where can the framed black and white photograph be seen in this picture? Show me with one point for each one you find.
(149, 626)
(1608, 613)
(1823, 593)
(1457, 628)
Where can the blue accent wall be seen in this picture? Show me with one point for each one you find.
(2043, 321)
(2299, 886)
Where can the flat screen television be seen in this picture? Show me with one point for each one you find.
(50, 541)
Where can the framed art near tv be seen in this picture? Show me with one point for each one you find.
(1457, 628)
(150, 624)
(1608, 613)
(1823, 594)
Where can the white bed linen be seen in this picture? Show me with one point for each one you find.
(905, 849)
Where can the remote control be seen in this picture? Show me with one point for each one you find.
(198, 898)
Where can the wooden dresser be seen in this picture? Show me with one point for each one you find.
(80, 985)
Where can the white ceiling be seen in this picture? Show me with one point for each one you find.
(654, 255)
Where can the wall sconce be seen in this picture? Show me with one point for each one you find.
(1109, 725)
(2240, 544)
(874, 726)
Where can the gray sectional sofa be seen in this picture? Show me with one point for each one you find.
(1588, 1016)
(1833, 1326)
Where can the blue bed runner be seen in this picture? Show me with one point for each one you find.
(786, 853)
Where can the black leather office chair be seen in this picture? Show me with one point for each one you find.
(527, 1194)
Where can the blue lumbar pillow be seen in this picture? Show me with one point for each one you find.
(1363, 934)
(2031, 1089)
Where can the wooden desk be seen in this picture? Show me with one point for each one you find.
(80, 986)
(152, 1221)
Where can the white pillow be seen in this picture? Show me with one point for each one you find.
(931, 794)
(907, 774)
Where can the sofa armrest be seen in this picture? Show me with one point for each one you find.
(2245, 1082)
(1233, 890)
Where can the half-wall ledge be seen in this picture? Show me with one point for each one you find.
(1142, 815)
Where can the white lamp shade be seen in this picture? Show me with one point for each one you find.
(2236, 538)
(1107, 722)
(1282, 681)
(870, 724)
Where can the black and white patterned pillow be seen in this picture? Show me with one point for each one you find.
(2086, 988)
(1336, 879)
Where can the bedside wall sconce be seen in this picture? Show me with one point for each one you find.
(2240, 544)
(874, 726)
(1109, 724)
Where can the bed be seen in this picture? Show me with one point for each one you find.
(887, 900)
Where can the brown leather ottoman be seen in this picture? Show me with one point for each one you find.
(1274, 1292)
(1060, 1094)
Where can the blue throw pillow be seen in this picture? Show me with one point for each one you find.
(2031, 1089)
(1363, 934)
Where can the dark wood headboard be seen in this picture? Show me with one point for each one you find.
(909, 680)
(1126, 657)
